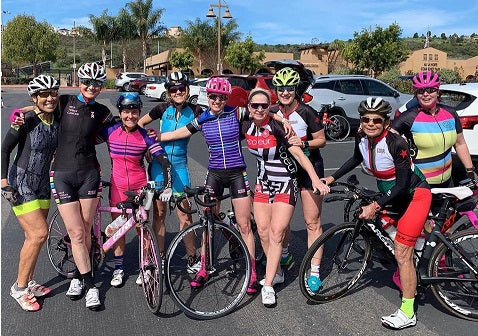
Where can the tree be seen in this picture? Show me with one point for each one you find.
(415, 35)
(241, 55)
(377, 50)
(104, 31)
(25, 40)
(443, 36)
(198, 36)
(125, 32)
(449, 76)
(147, 22)
(229, 34)
(182, 60)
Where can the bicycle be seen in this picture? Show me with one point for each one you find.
(336, 127)
(137, 204)
(225, 263)
(448, 263)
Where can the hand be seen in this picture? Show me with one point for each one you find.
(295, 141)
(166, 194)
(9, 193)
(369, 211)
(152, 133)
(320, 188)
(17, 118)
(289, 131)
(327, 180)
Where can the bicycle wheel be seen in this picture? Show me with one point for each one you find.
(59, 247)
(339, 272)
(458, 296)
(151, 270)
(338, 129)
(227, 276)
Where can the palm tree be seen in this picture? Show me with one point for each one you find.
(198, 36)
(125, 32)
(147, 22)
(103, 27)
(229, 34)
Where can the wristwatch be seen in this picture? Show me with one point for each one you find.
(306, 144)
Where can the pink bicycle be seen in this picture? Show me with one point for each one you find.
(137, 205)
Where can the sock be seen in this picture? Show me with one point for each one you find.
(285, 251)
(407, 307)
(77, 274)
(88, 280)
(315, 270)
(118, 262)
(253, 270)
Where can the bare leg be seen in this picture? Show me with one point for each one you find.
(408, 275)
(312, 209)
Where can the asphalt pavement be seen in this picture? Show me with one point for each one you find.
(124, 311)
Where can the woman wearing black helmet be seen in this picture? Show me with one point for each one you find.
(27, 187)
(386, 156)
(174, 114)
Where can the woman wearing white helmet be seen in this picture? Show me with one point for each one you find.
(26, 185)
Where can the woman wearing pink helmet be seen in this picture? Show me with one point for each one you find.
(220, 126)
(432, 130)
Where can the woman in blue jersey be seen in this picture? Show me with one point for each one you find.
(174, 114)
(27, 187)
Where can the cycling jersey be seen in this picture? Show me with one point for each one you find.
(222, 135)
(276, 175)
(80, 123)
(305, 121)
(175, 150)
(431, 139)
(127, 150)
(37, 141)
(387, 158)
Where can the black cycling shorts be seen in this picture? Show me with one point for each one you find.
(234, 179)
(70, 186)
(305, 183)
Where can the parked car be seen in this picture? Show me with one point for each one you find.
(241, 86)
(123, 78)
(346, 91)
(155, 90)
(195, 89)
(158, 91)
(464, 98)
(139, 84)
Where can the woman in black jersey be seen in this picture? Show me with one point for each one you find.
(26, 186)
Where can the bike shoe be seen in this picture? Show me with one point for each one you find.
(75, 290)
(399, 320)
(25, 299)
(37, 289)
(199, 279)
(314, 283)
(252, 288)
(278, 279)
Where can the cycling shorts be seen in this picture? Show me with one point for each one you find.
(70, 186)
(117, 194)
(273, 192)
(179, 176)
(235, 179)
(305, 183)
(33, 190)
(410, 225)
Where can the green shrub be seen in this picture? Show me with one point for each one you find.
(109, 84)
(403, 86)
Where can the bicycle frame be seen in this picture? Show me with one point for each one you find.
(139, 216)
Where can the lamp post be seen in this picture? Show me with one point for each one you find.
(227, 15)
(74, 33)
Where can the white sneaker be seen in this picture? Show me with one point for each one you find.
(139, 279)
(278, 279)
(399, 320)
(75, 290)
(92, 298)
(194, 265)
(117, 279)
(268, 296)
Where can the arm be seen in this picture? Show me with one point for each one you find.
(166, 166)
(307, 165)
(180, 133)
(348, 165)
(145, 120)
(462, 151)
(10, 141)
(289, 131)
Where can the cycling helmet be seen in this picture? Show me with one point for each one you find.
(92, 71)
(176, 78)
(42, 82)
(426, 79)
(219, 85)
(129, 100)
(285, 77)
(375, 105)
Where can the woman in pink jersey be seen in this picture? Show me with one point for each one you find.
(127, 145)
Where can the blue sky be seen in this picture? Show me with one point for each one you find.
(278, 22)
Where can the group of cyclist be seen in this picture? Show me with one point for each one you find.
(278, 135)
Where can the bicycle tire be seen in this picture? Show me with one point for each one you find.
(336, 282)
(338, 129)
(151, 270)
(227, 280)
(458, 297)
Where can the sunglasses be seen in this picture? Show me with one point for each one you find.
(46, 94)
(174, 89)
(214, 96)
(91, 82)
(289, 88)
(427, 90)
(376, 121)
(255, 106)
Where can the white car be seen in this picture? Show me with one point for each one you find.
(123, 78)
(158, 91)
(464, 98)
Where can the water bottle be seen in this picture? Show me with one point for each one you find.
(115, 225)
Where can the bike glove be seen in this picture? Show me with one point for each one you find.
(166, 194)
(9, 193)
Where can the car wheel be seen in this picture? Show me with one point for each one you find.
(163, 96)
(141, 90)
(193, 100)
(126, 87)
